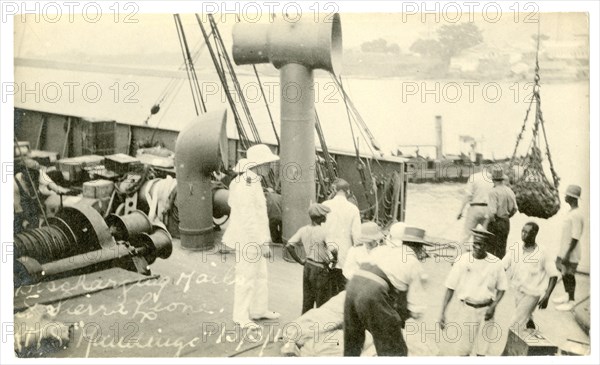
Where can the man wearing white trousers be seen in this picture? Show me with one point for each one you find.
(248, 232)
(532, 274)
(479, 281)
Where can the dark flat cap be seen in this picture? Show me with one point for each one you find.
(318, 210)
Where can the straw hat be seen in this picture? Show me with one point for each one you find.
(415, 235)
(260, 154)
(370, 231)
(396, 232)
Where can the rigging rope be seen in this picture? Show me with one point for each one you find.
(187, 56)
(359, 120)
(220, 72)
(354, 115)
(221, 61)
(340, 86)
(360, 165)
(328, 159)
(177, 26)
(222, 51)
(174, 84)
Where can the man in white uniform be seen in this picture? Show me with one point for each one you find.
(479, 281)
(248, 232)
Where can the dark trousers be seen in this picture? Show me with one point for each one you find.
(500, 228)
(368, 306)
(568, 271)
(275, 229)
(316, 286)
(338, 281)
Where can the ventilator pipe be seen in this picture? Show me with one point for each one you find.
(200, 149)
(296, 48)
(315, 45)
(297, 148)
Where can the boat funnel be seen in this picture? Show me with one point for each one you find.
(296, 49)
(201, 148)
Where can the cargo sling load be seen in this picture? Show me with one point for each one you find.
(536, 196)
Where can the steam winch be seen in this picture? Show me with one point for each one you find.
(78, 240)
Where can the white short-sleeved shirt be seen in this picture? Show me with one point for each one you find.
(400, 265)
(572, 228)
(529, 270)
(478, 188)
(477, 280)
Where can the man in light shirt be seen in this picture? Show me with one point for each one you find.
(377, 295)
(343, 229)
(532, 274)
(359, 254)
(327, 320)
(477, 192)
(479, 281)
(570, 248)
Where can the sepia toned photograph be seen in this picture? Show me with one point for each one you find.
(299, 179)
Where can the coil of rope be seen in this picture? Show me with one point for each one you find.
(45, 243)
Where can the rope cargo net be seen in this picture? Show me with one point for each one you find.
(536, 196)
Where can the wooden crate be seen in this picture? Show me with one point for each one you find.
(44, 158)
(122, 163)
(529, 342)
(98, 189)
(97, 136)
(74, 168)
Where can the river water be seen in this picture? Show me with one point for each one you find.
(397, 111)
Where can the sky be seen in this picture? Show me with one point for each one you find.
(156, 32)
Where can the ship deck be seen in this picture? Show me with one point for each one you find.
(187, 311)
